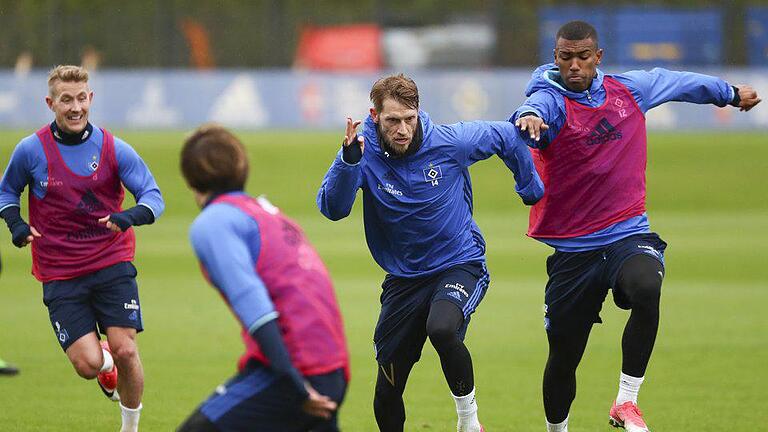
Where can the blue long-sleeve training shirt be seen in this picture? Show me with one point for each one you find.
(417, 210)
(546, 93)
(227, 243)
(28, 166)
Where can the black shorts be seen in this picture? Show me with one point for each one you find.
(108, 298)
(579, 281)
(256, 399)
(405, 303)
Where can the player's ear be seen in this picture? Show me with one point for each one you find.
(374, 115)
(90, 96)
(599, 55)
(49, 102)
(554, 54)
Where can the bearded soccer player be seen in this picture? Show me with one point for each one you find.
(81, 238)
(417, 206)
(589, 137)
(295, 370)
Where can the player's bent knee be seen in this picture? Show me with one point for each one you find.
(87, 368)
(645, 293)
(442, 336)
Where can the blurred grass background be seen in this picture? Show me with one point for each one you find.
(706, 197)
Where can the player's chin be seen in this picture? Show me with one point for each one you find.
(401, 147)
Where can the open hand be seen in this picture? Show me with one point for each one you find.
(533, 124)
(351, 132)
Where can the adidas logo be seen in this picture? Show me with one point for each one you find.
(603, 132)
(389, 176)
(455, 295)
(90, 204)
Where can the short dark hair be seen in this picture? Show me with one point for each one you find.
(577, 30)
(398, 87)
(214, 160)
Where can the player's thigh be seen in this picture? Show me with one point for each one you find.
(85, 352)
(575, 290)
(69, 309)
(401, 328)
(116, 297)
(256, 399)
(464, 286)
(635, 263)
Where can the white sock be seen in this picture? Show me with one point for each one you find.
(558, 427)
(629, 386)
(108, 361)
(466, 409)
(130, 418)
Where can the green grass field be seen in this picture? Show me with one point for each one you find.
(706, 196)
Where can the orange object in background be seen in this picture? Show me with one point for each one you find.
(199, 44)
(342, 48)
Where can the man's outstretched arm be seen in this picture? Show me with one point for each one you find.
(480, 140)
(657, 86)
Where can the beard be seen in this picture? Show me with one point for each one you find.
(393, 150)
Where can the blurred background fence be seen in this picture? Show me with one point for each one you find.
(463, 33)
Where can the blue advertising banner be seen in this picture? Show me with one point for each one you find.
(644, 36)
(757, 36)
(283, 99)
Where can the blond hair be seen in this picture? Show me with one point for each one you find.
(66, 73)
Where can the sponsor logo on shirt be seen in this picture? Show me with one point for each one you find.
(603, 132)
(52, 182)
(390, 189)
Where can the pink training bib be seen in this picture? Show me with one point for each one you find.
(594, 171)
(301, 291)
(73, 242)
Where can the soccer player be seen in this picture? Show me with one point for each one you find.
(82, 241)
(588, 130)
(295, 370)
(417, 207)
